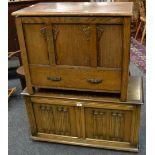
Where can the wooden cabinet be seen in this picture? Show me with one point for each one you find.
(86, 119)
(82, 46)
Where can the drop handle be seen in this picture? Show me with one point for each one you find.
(54, 78)
(94, 81)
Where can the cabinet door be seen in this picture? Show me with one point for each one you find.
(108, 123)
(120, 125)
(56, 119)
(96, 123)
(36, 43)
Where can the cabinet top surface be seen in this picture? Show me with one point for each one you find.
(77, 9)
(135, 94)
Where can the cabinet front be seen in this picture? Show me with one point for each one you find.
(97, 123)
(56, 119)
(109, 124)
(93, 46)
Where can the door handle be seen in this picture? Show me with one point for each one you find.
(54, 78)
(94, 81)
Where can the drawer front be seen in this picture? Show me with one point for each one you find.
(77, 78)
(56, 118)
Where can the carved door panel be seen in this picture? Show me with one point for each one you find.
(110, 44)
(72, 44)
(106, 124)
(56, 119)
(120, 125)
(96, 123)
(36, 43)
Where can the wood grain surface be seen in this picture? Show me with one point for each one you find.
(78, 8)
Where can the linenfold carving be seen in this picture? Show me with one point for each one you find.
(117, 126)
(55, 31)
(99, 30)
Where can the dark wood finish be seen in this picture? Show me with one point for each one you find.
(76, 49)
(87, 120)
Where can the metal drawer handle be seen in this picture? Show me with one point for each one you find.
(94, 81)
(54, 78)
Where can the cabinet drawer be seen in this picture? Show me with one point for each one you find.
(77, 78)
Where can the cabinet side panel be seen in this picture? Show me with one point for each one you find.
(126, 56)
(24, 54)
(31, 116)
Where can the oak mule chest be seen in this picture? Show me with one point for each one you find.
(82, 46)
(76, 62)
(87, 119)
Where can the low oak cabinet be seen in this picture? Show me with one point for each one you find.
(89, 119)
(77, 46)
